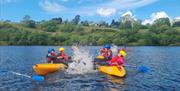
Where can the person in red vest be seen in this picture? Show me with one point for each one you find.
(62, 54)
(116, 61)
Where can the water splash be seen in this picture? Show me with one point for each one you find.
(82, 61)
(114, 49)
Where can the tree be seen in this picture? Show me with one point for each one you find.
(136, 25)
(160, 25)
(103, 23)
(85, 23)
(28, 22)
(101, 41)
(176, 24)
(57, 20)
(49, 26)
(68, 27)
(126, 22)
(76, 19)
(162, 21)
(114, 24)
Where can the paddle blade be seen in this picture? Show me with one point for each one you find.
(143, 69)
(38, 78)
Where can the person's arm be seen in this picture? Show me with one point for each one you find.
(121, 61)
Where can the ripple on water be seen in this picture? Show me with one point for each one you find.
(163, 76)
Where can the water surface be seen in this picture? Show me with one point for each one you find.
(164, 75)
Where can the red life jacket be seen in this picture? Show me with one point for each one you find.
(116, 61)
(63, 55)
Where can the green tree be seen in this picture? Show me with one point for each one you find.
(57, 20)
(85, 23)
(160, 25)
(76, 19)
(28, 22)
(49, 26)
(176, 23)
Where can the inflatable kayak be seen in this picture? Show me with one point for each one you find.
(99, 61)
(113, 70)
(43, 69)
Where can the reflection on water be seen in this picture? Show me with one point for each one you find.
(163, 62)
(116, 80)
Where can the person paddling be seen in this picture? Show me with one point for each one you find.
(123, 52)
(107, 52)
(62, 55)
(51, 56)
(117, 60)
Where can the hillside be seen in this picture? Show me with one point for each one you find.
(53, 33)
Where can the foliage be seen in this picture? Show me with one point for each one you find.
(76, 19)
(49, 26)
(27, 22)
(57, 32)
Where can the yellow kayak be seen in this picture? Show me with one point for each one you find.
(100, 57)
(113, 70)
(43, 69)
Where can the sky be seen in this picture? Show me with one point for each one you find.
(91, 10)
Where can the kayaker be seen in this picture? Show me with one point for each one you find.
(101, 53)
(51, 56)
(62, 55)
(116, 61)
(123, 52)
(107, 51)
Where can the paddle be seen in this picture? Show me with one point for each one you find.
(34, 77)
(140, 68)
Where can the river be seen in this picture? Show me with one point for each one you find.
(163, 62)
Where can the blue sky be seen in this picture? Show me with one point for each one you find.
(92, 10)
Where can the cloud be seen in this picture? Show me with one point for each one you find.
(119, 5)
(177, 18)
(132, 16)
(155, 16)
(104, 8)
(51, 7)
(127, 13)
(129, 4)
(105, 12)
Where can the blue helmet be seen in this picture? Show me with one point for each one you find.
(50, 49)
(108, 46)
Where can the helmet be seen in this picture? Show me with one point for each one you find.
(108, 46)
(122, 48)
(122, 53)
(61, 49)
(50, 49)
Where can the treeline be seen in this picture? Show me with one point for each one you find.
(125, 31)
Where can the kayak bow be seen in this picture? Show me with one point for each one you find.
(113, 70)
(43, 69)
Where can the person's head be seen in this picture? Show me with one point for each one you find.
(107, 46)
(61, 49)
(122, 49)
(122, 53)
(50, 50)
